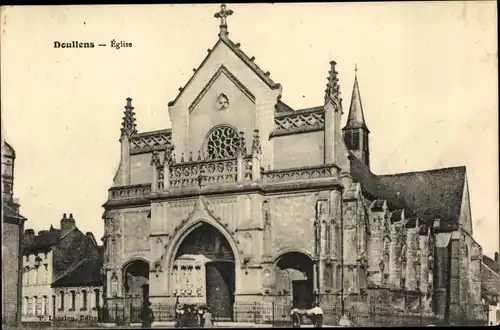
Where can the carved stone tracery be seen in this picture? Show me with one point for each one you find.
(222, 143)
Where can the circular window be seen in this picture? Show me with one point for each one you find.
(222, 142)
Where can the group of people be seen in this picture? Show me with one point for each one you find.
(192, 316)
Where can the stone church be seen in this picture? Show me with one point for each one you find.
(246, 201)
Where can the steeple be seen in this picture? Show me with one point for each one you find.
(356, 118)
(222, 15)
(356, 132)
(129, 127)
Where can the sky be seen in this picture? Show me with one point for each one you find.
(427, 73)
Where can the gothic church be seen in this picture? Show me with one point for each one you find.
(248, 202)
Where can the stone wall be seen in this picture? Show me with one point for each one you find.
(298, 150)
(10, 272)
(292, 218)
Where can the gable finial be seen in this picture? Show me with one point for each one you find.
(129, 127)
(223, 14)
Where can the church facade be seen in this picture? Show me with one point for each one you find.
(246, 201)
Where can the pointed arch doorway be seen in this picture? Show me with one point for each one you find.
(203, 271)
(295, 277)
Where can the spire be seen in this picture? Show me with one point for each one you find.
(222, 15)
(356, 118)
(355, 132)
(332, 92)
(128, 124)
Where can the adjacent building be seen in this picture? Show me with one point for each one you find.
(491, 288)
(51, 288)
(12, 231)
(246, 204)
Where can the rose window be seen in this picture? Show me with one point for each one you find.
(222, 143)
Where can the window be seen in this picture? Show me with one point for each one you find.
(222, 143)
(355, 140)
(25, 305)
(96, 298)
(25, 277)
(73, 300)
(61, 300)
(84, 300)
(348, 139)
(29, 306)
(35, 305)
(45, 302)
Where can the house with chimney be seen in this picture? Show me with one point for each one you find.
(51, 257)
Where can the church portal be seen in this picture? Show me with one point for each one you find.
(204, 271)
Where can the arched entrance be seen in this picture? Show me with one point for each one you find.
(295, 277)
(136, 282)
(204, 271)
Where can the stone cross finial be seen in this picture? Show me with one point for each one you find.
(223, 14)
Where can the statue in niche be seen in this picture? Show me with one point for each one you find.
(114, 284)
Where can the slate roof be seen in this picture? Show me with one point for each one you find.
(41, 242)
(283, 109)
(8, 212)
(426, 194)
(7, 150)
(87, 272)
(490, 278)
(491, 264)
(356, 117)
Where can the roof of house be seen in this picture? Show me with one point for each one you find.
(86, 272)
(7, 150)
(43, 241)
(9, 212)
(494, 266)
(427, 194)
(490, 279)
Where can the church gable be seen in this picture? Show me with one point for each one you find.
(232, 78)
(465, 211)
(228, 58)
(224, 102)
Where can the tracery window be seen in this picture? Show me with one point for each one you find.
(222, 142)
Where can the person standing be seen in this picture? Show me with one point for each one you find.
(207, 318)
(147, 316)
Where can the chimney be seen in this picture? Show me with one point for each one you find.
(29, 236)
(496, 258)
(67, 224)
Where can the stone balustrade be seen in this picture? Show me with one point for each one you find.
(299, 174)
(203, 173)
(130, 192)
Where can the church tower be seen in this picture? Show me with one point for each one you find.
(355, 132)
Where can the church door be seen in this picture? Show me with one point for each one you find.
(220, 288)
(302, 294)
(208, 245)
